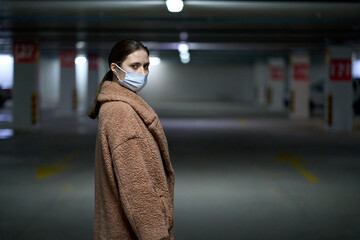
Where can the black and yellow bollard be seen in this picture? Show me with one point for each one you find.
(292, 101)
(74, 99)
(330, 109)
(33, 108)
(268, 94)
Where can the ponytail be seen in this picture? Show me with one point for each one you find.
(96, 106)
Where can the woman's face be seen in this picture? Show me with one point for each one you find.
(137, 61)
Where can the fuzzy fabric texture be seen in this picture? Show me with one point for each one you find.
(134, 179)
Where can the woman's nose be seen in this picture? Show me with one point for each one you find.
(142, 70)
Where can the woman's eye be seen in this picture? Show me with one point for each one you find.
(134, 66)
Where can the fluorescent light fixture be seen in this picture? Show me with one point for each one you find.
(80, 45)
(184, 55)
(184, 36)
(80, 60)
(185, 60)
(154, 61)
(174, 5)
(183, 47)
(6, 59)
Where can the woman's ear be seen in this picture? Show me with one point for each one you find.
(113, 67)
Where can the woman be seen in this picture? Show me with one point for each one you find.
(134, 179)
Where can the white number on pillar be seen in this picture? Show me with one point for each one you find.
(28, 50)
(25, 51)
(348, 69)
(340, 69)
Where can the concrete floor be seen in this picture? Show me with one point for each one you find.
(253, 176)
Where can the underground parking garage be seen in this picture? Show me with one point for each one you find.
(258, 102)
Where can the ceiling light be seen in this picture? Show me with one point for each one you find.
(185, 60)
(80, 45)
(184, 55)
(80, 60)
(154, 61)
(183, 47)
(174, 5)
(184, 36)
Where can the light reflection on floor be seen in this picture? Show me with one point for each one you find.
(5, 117)
(6, 133)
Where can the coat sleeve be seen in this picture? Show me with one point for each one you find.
(138, 197)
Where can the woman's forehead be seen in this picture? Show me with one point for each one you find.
(138, 56)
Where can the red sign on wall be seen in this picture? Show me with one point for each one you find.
(277, 73)
(301, 71)
(67, 58)
(26, 51)
(340, 69)
(93, 62)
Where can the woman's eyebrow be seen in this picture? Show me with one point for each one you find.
(138, 63)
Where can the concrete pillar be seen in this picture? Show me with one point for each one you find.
(103, 67)
(25, 88)
(93, 79)
(68, 94)
(276, 67)
(338, 90)
(260, 81)
(299, 86)
(49, 81)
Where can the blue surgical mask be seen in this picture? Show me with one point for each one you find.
(133, 81)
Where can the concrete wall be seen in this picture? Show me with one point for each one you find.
(173, 82)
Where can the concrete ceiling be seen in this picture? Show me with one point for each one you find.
(223, 26)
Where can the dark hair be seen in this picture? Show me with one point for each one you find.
(118, 54)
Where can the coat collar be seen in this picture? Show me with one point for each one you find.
(113, 91)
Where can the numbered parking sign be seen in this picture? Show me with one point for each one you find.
(26, 51)
(67, 58)
(277, 73)
(93, 64)
(300, 71)
(340, 69)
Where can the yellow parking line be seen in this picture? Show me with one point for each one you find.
(242, 121)
(295, 162)
(43, 171)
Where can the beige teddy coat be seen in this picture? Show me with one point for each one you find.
(134, 179)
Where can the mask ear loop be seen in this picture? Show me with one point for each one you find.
(120, 70)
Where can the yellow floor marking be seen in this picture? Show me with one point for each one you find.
(295, 162)
(274, 175)
(242, 121)
(44, 171)
(64, 190)
(273, 190)
(68, 188)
